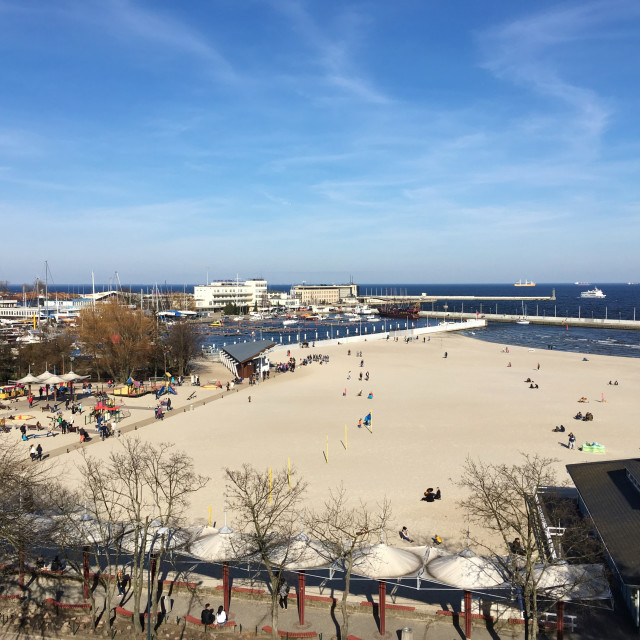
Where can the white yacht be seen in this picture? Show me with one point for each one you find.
(593, 293)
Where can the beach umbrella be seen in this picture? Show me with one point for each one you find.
(44, 377)
(51, 380)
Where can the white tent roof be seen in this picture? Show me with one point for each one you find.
(302, 554)
(72, 376)
(28, 379)
(217, 546)
(466, 570)
(43, 377)
(382, 561)
(572, 582)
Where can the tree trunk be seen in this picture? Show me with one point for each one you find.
(274, 606)
(344, 627)
(136, 582)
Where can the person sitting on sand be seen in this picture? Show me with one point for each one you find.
(528, 380)
(578, 416)
(370, 396)
(429, 496)
(404, 534)
(531, 386)
(438, 494)
(516, 547)
(615, 384)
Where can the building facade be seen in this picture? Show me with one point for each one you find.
(215, 296)
(324, 293)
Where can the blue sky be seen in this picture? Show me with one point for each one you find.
(405, 141)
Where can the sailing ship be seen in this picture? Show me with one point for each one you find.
(400, 310)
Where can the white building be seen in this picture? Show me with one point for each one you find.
(215, 296)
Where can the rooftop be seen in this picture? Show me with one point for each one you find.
(611, 492)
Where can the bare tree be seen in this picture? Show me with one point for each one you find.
(22, 485)
(266, 508)
(183, 341)
(97, 527)
(504, 499)
(346, 531)
(120, 340)
(145, 488)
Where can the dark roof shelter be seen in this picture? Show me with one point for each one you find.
(244, 355)
(610, 495)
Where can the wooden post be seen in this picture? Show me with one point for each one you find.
(382, 592)
(560, 623)
(467, 615)
(301, 591)
(225, 586)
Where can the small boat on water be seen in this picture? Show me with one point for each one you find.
(526, 283)
(522, 321)
(583, 284)
(593, 293)
(288, 323)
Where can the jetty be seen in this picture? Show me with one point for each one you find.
(554, 321)
(425, 298)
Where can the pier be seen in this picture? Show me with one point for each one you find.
(425, 298)
(554, 321)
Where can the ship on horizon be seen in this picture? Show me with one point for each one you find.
(526, 283)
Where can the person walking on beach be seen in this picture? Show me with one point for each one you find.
(572, 441)
(538, 366)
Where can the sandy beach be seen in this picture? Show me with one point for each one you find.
(429, 414)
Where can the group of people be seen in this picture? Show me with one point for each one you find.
(430, 495)
(532, 384)
(587, 417)
(209, 617)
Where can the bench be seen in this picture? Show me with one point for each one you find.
(229, 624)
(67, 605)
(292, 634)
(398, 607)
(123, 613)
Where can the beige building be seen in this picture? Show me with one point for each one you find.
(324, 293)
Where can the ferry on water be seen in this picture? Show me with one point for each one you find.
(593, 293)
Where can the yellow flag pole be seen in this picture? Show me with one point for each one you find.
(209, 515)
(269, 485)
